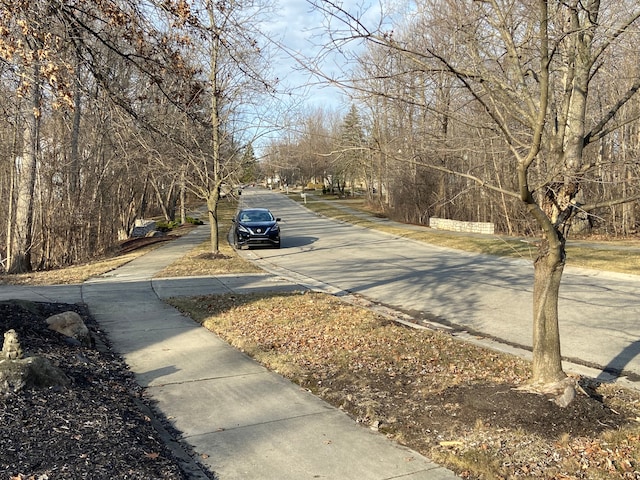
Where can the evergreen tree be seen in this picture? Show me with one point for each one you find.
(249, 165)
(350, 162)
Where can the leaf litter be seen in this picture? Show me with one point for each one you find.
(452, 401)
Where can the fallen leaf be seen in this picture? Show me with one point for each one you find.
(451, 443)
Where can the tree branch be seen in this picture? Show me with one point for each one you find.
(609, 203)
(475, 179)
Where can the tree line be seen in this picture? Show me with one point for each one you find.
(120, 109)
(447, 102)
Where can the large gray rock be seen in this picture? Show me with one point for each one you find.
(17, 373)
(71, 325)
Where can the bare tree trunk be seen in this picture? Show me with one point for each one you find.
(214, 184)
(628, 209)
(212, 207)
(74, 174)
(20, 260)
(505, 208)
(547, 360)
(183, 196)
(166, 203)
(11, 200)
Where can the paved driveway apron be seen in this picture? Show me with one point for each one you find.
(599, 311)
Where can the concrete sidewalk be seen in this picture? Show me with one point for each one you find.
(243, 421)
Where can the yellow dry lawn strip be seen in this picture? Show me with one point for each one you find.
(75, 274)
(293, 331)
(603, 255)
(201, 262)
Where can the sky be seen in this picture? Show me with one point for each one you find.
(302, 30)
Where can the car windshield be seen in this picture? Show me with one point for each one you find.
(256, 216)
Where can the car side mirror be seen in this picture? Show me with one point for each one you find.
(277, 219)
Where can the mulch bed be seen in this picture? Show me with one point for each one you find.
(94, 428)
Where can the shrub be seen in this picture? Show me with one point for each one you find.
(163, 226)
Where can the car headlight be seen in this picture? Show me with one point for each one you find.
(243, 229)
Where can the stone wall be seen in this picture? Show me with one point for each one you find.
(458, 226)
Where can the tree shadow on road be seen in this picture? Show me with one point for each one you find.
(616, 367)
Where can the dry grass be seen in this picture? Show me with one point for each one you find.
(295, 331)
(200, 261)
(603, 255)
(77, 273)
(449, 400)
(611, 260)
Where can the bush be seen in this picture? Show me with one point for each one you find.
(163, 226)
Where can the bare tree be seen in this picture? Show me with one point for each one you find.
(26, 45)
(237, 81)
(60, 51)
(529, 68)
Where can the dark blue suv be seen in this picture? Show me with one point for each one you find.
(255, 227)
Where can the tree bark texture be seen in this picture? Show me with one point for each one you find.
(547, 359)
(20, 260)
(212, 207)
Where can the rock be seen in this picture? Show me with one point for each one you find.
(72, 342)
(15, 375)
(71, 325)
(11, 348)
(566, 398)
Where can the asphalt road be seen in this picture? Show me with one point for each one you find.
(599, 311)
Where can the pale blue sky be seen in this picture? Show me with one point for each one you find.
(303, 31)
